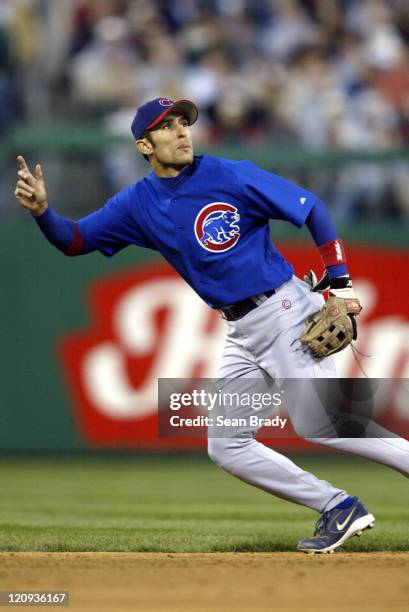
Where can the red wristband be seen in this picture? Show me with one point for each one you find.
(332, 253)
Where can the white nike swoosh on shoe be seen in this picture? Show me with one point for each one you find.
(340, 526)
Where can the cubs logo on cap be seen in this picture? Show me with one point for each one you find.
(217, 227)
(150, 114)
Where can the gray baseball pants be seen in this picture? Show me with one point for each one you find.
(262, 344)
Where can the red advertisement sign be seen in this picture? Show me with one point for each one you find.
(147, 323)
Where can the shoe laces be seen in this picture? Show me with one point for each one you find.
(321, 523)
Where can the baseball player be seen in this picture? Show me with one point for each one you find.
(209, 217)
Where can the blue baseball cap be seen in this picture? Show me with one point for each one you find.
(150, 114)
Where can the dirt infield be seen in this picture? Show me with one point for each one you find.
(110, 582)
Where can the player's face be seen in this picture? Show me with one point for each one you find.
(171, 145)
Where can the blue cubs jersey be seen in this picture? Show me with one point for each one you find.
(211, 223)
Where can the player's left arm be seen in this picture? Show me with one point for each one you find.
(336, 277)
(334, 327)
(273, 197)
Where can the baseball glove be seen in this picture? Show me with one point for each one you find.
(332, 328)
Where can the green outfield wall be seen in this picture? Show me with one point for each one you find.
(42, 298)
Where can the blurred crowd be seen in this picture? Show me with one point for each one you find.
(310, 74)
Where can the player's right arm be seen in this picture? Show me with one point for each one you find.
(108, 230)
(32, 194)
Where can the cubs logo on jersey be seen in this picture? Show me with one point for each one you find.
(217, 227)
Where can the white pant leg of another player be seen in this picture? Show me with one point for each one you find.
(242, 456)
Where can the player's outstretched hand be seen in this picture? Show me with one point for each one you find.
(30, 189)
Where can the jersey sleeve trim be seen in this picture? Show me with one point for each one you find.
(76, 246)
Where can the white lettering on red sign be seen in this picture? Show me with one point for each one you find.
(180, 346)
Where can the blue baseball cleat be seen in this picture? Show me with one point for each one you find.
(336, 526)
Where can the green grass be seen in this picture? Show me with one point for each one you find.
(178, 504)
